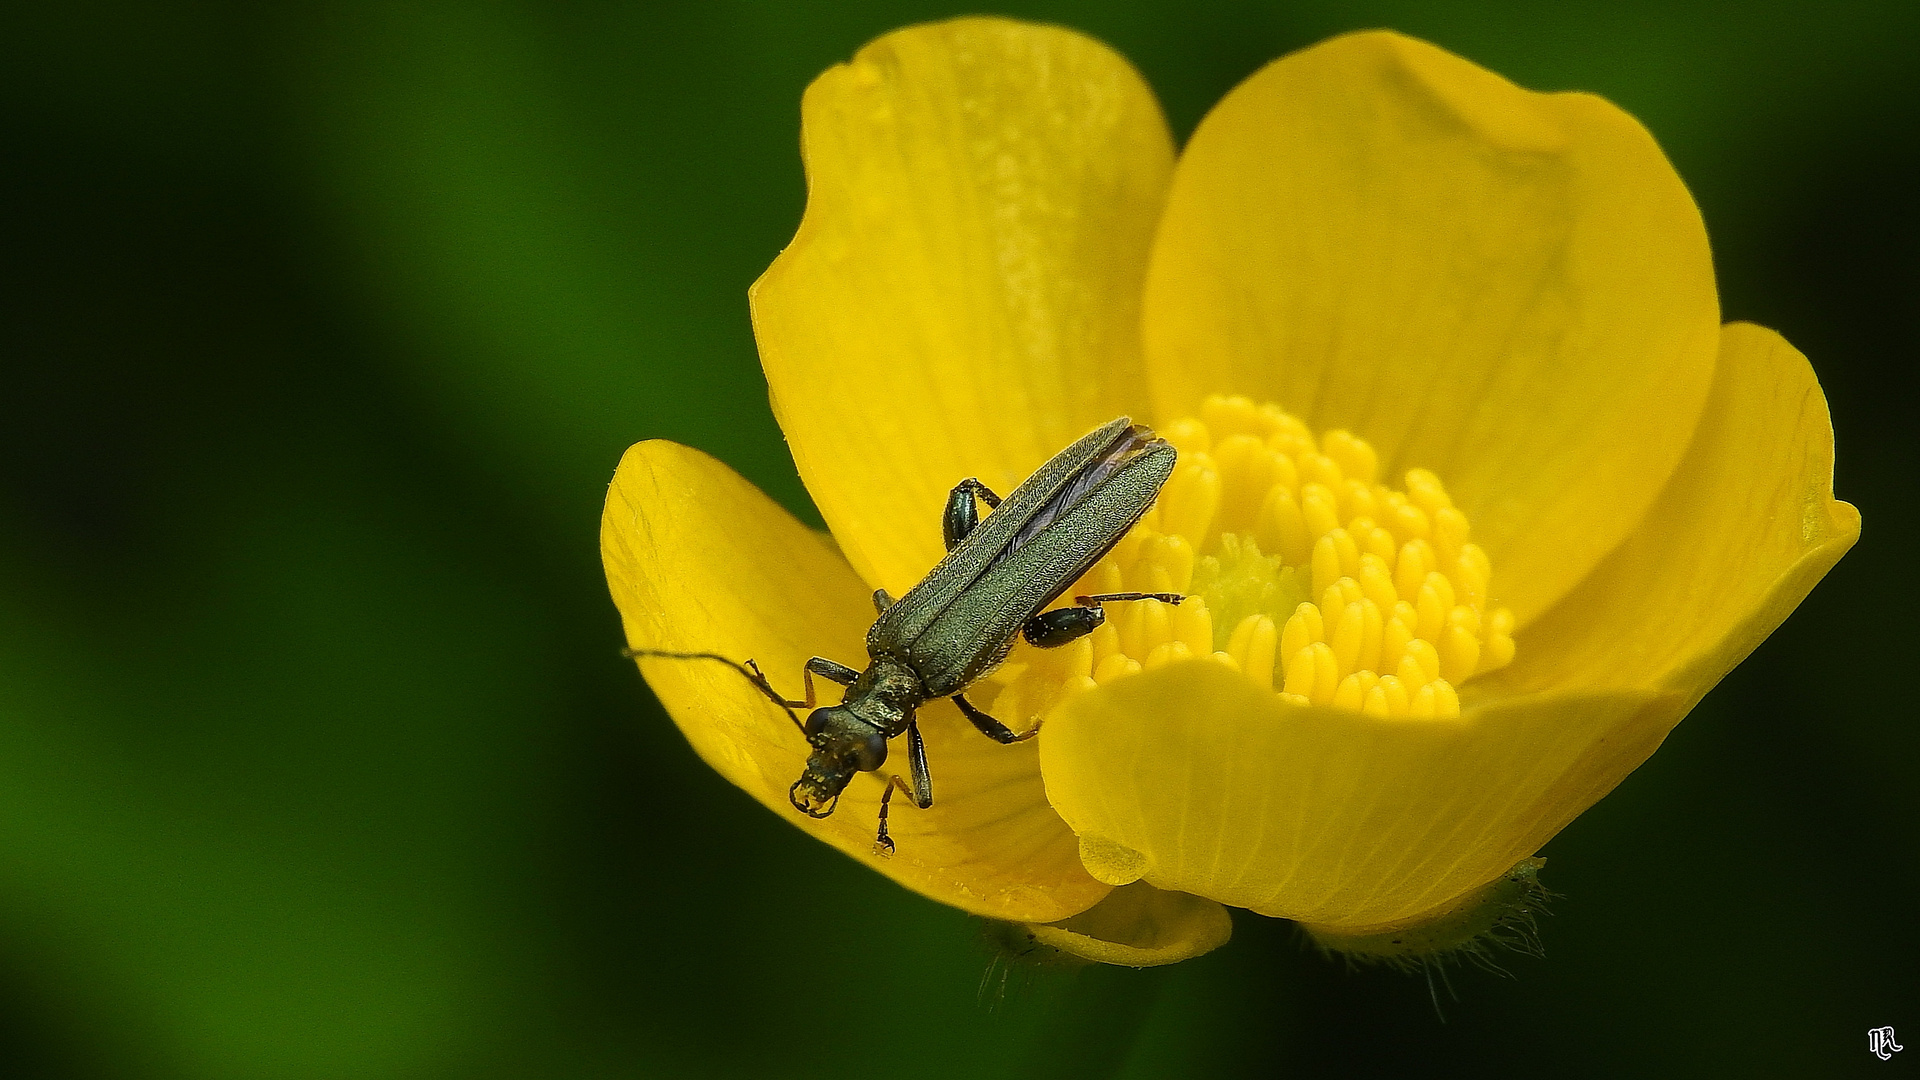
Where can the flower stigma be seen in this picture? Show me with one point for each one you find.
(1304, 573)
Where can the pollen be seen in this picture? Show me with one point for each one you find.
(1303, 572)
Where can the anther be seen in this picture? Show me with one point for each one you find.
(1304, 627)
(1193, 624)
(1357, 458)
(1260, 651)
(1166, 653)
(1320, 508)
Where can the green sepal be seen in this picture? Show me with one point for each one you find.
(1502, 912)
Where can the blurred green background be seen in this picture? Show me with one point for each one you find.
(323, 326)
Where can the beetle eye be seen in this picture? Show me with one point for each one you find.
(873, 752)
(816, 720)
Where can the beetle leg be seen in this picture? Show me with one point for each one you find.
(917, 766)
(991, 728)
(882, 600)
(1051, 629)
(819, 665)
(962, 515)
(921, 793)
(752, 673)
(826, 669)
(882, 843)
(1099, 598)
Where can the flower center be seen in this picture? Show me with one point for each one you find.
(1303, 572)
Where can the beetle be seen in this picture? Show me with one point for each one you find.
(997, 578)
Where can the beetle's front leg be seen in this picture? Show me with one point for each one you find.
(921, 792)
(962, 515)
(826, 669)
(819, 665)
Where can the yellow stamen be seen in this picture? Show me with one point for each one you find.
(1303, 572)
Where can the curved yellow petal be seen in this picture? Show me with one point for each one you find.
(1138, 926)
(1193, 779)
(1511, 289)
(963, 295)
(1742, 533)
(699, 561)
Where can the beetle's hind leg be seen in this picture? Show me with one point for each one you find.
(1052, 629)
(1100, 598)
(921, 793)
(962, 515)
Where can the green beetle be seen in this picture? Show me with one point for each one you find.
(998, 576)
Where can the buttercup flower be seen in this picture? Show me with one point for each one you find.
(1476, 497)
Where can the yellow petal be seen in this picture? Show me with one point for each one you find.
(963, 295)
(1745, 529)
(698, 560)
(1511, 289)
(1195, 780)
(1138, 925)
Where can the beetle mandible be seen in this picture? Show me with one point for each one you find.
(994, 583)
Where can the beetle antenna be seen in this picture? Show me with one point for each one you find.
(749, 671)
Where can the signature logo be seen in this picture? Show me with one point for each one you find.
(1880, 1041)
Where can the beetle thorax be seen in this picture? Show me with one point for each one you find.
(885, 695)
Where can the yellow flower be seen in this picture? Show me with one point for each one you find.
(1412, 327)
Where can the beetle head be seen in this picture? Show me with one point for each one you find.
(843, 744)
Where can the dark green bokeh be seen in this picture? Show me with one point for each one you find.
(324, 327)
